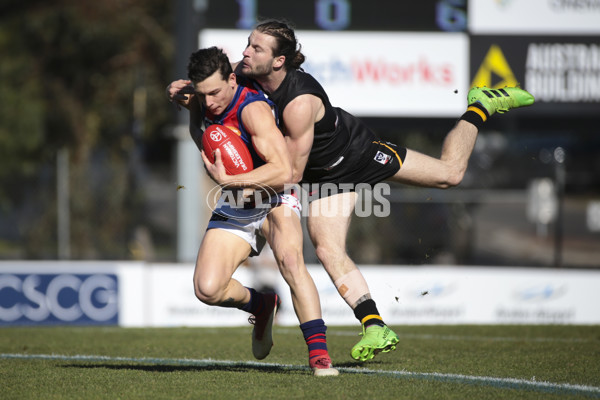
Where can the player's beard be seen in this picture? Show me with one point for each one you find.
(258, 71)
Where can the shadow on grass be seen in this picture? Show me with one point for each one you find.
(358, 364)
(190, 368)
(216, 366)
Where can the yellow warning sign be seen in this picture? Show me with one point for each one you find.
(494, 68)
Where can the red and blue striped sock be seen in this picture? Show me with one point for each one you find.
(314, 335)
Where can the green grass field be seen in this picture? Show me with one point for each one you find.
(432, 362)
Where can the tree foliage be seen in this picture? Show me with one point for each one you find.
(89, 77)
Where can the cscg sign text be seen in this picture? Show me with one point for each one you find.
(83, 299)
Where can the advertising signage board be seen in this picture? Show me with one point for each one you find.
(563, 73)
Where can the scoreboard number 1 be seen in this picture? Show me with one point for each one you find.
(331, 15)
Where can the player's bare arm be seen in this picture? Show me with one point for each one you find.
(180, 92)
(268, 142)
(300, 116)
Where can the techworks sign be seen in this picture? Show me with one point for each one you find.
(387, 74)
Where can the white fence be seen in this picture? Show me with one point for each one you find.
(138, 294)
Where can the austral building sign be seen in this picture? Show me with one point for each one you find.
(563, 73)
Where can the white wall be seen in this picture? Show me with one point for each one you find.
(162, 295)
(534, 17)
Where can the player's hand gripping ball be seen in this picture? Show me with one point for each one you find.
(234, 152)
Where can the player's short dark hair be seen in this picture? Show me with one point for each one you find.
(287, 44)
(205, 62)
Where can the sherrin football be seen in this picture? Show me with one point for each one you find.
(234, 152)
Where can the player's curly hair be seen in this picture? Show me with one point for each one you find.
(287, 44)
(205, 62)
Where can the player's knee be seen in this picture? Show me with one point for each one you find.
(289, 260)
(208, 292)
(330, 256)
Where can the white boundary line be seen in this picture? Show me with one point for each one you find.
(501, 383)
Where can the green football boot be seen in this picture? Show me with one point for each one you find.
(500, 100)
(375, 339)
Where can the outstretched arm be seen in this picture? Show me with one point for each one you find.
(180, 92)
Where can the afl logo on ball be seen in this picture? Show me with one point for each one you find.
(216, 135)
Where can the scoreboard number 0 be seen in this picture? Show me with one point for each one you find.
(329, 14)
